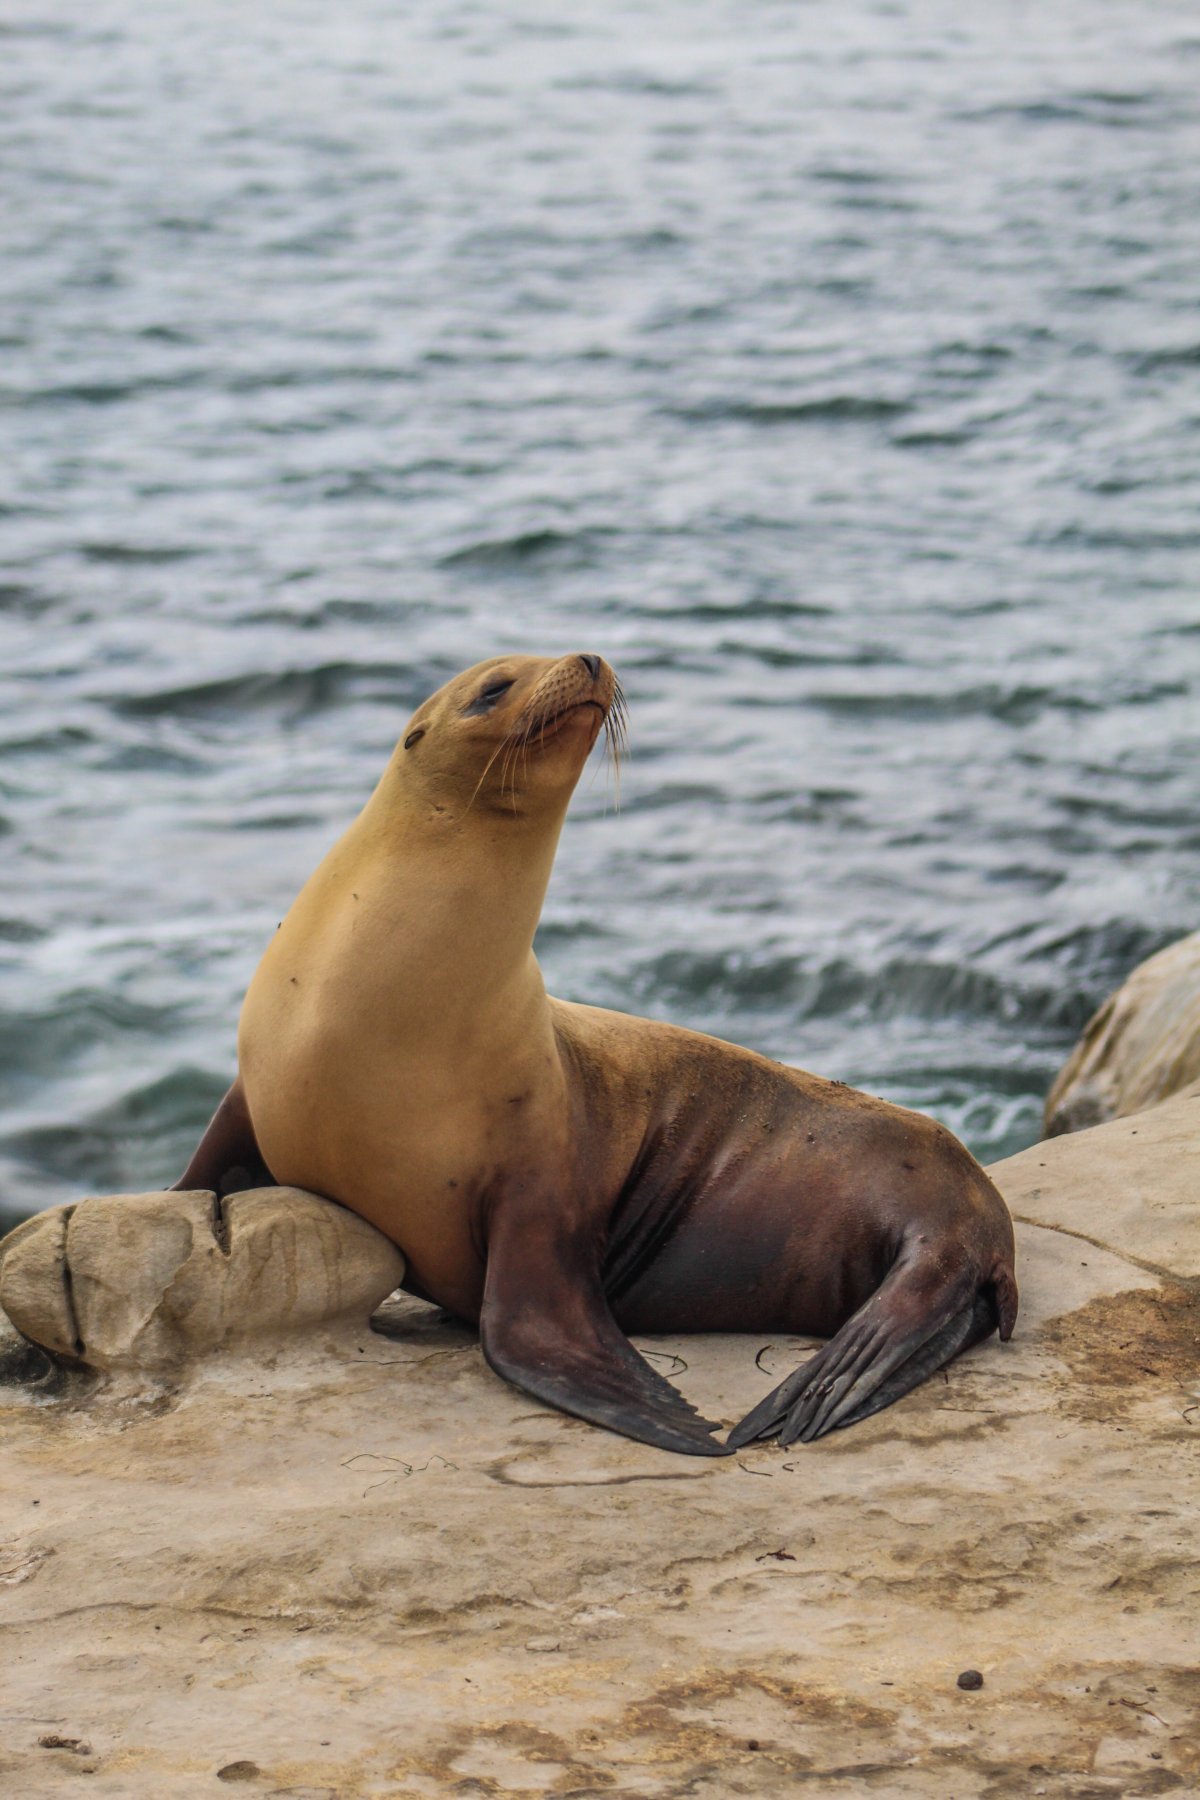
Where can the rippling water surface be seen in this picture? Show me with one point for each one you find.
(833, 370)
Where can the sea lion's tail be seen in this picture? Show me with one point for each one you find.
(919, 1317)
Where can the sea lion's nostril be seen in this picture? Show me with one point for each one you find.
(592, 665)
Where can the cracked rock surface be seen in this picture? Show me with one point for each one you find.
(357, 1565)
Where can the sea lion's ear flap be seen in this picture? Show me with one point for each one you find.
(546, 1327)
(414, 737)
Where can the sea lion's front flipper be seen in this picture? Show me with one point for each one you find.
(227, 1158)
(546, 1327)
(919, 1318)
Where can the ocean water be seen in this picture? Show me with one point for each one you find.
(832, 370)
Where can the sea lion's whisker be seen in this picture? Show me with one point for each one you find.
(508, 772)
(486, 771)
(522, 750)
(616, 740)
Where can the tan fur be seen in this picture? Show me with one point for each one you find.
(399, 1007)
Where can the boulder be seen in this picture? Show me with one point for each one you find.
(150, 1282)
(1142, 1046)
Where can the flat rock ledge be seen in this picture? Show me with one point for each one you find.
(352, 1563)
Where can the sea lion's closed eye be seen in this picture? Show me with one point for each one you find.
(485, 701)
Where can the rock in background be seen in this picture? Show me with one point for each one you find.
(1142, 1046)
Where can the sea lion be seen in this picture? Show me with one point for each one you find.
(564, 1174)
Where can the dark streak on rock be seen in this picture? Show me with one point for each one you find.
(220, 1225)
(499, 1473)
(68, 1284)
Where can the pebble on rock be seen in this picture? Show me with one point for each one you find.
(970, 1678)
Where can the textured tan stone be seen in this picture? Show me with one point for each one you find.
(126, 1252)
(1142, 1047)
(1133, 1185)
(367, 1568)
(33, 1283)
(151, 1281)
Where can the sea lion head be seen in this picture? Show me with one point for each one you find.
(512, 734)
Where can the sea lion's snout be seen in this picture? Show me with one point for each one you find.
(573, 701)
(577, 688)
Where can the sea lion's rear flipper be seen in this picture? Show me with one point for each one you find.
(227, 1158)
(546, 1327)
(919, 1318)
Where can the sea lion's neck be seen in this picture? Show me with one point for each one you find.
(458, 897)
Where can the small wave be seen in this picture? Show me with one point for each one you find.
(638, 81)
(1029, 877)
(525, 547)
(165, 334)
(1087, 107)
(137, 1141)
(298, 692)
(1104, 953)
(114, 552)
(901, 987)
(846, 177)
(676, 793)
(1070, 536)
(306, 375)
(19, 597)
(40, 743)
(1120, 97)
(129, 758)
(1018, 705)
(869, 200)
(567, 931)
(972, 352)
(733, 611)
(1141, 814)
(277, 821)
(775, 656)
(1178, 356)
(968, 1077)
(931, 439)
(21, 931)
(828, 408)
(36, 28)
(1014, 706)
(79, 1021)
(102, 393)
(816, 807)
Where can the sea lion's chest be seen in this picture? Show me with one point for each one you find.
(415, 1115)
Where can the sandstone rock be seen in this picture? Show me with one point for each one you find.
(1142, 1046)
(152, 1281)
(1133, 1184)
(34, 1286)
